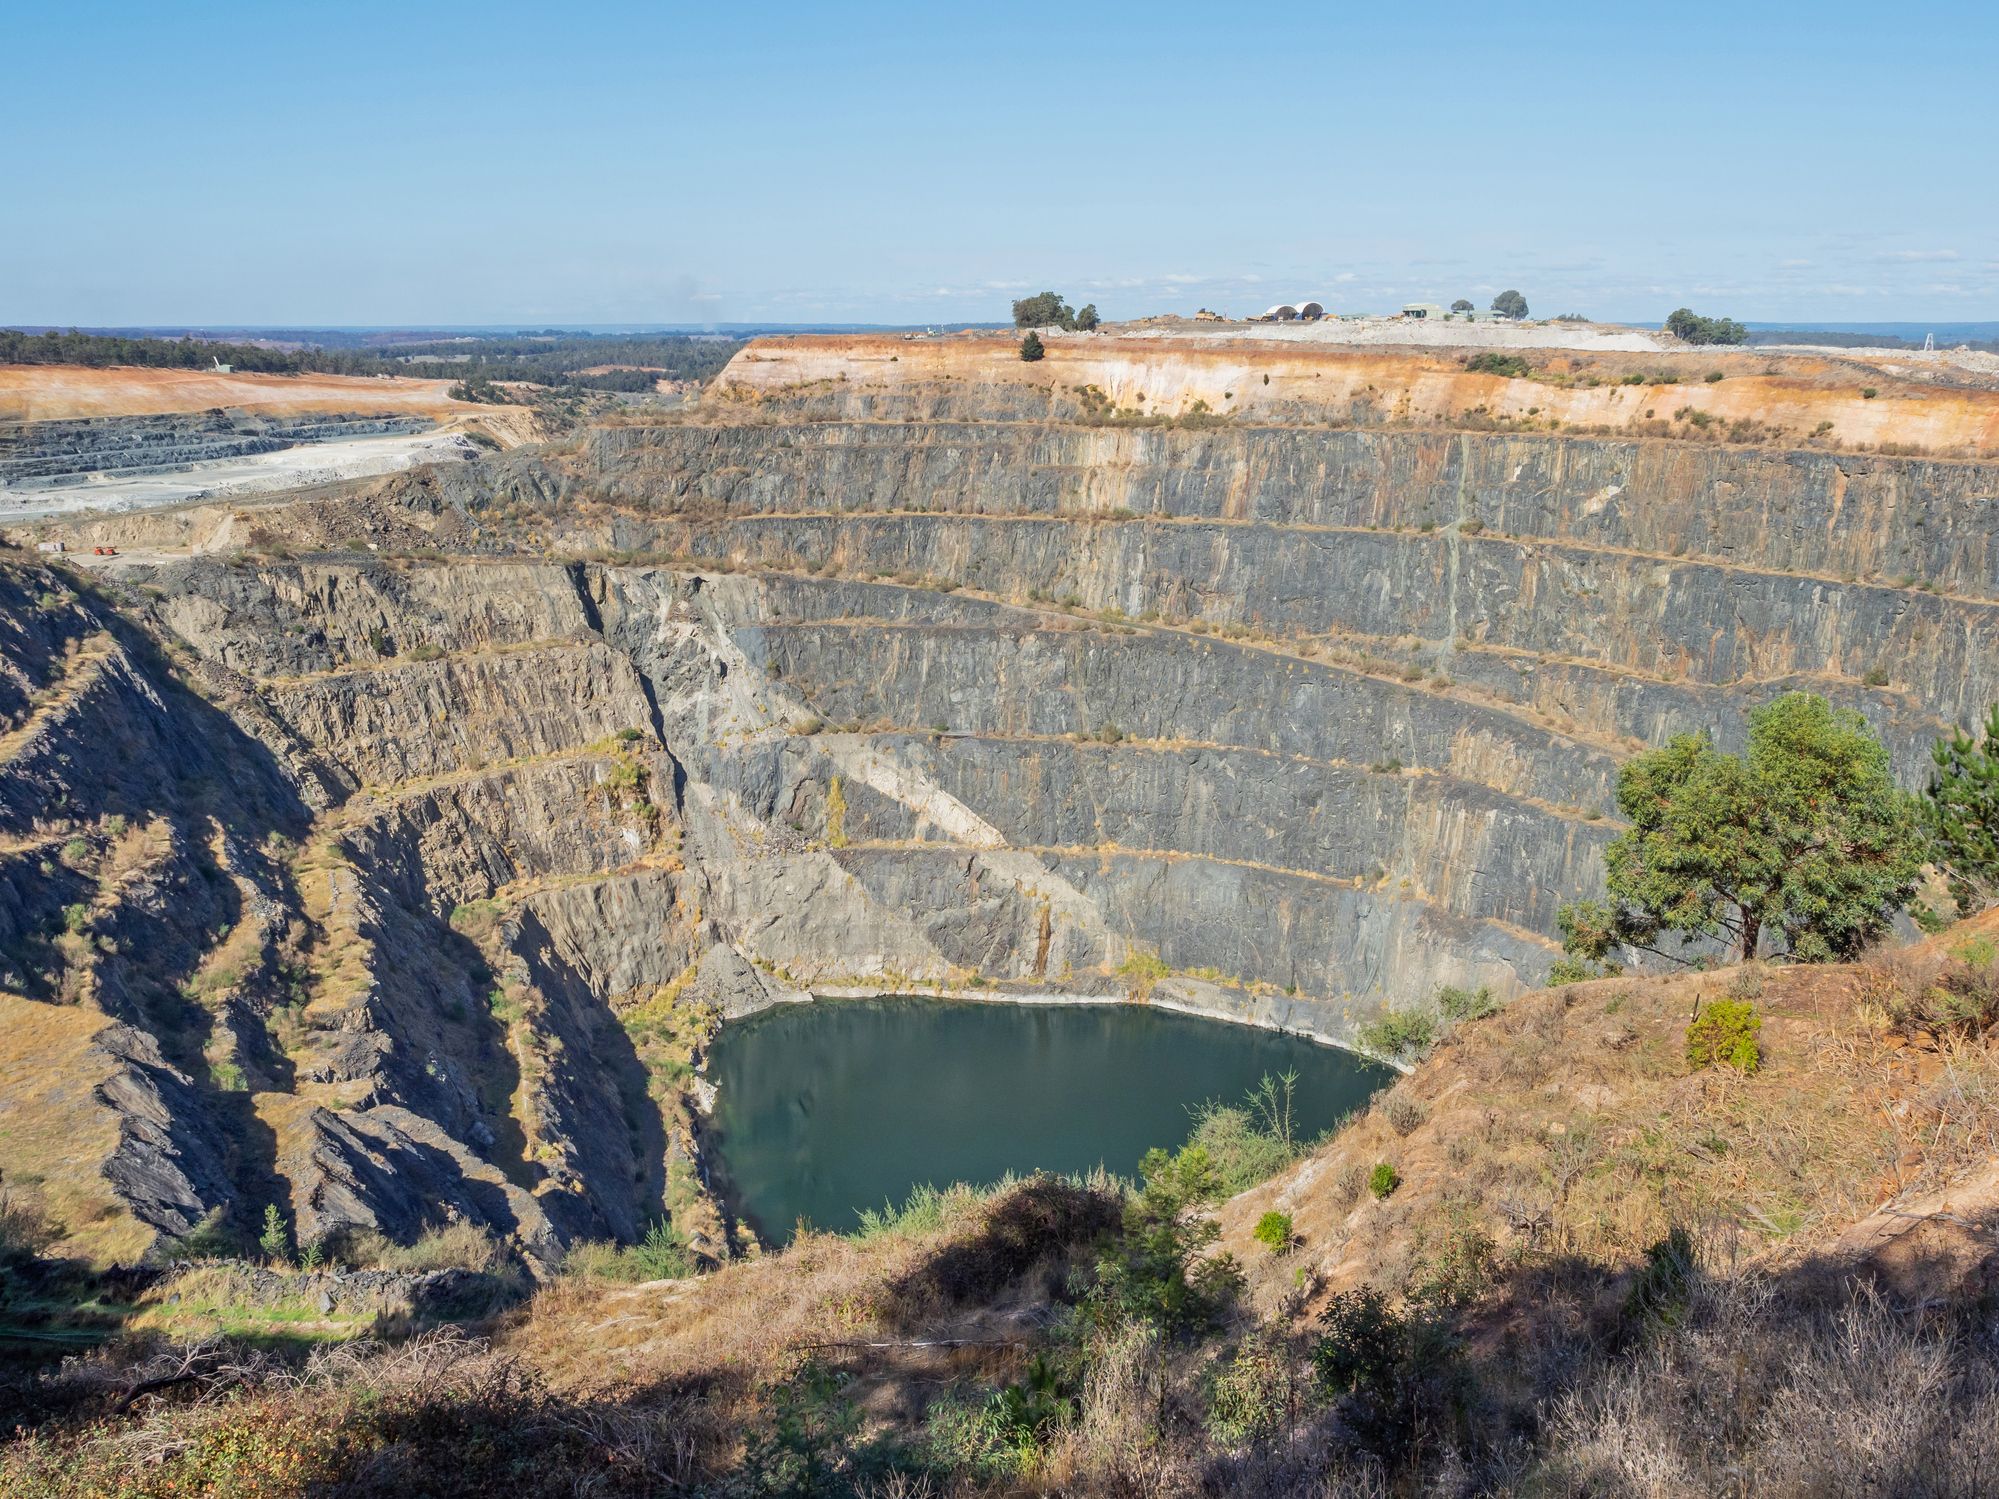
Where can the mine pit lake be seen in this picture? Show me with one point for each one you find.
(829, 1108)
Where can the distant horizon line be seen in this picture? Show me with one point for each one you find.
(215, 329)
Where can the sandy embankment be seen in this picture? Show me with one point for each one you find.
(1824, 398)
(61, 392)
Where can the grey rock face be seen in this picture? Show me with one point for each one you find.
(44, 454)
(169, 1167)
(435, 855)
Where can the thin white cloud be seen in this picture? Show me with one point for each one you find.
(1913, 257)
(1794, 265)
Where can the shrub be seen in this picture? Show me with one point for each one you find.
(1868, 392)
(1658, 1295)
(1714, 377)
(1273, 1232)
(1031, 348)
(274, 1241)
(1724, 1035)
(1252, 1396)
(1398, 1033)
(1383, 1179)
(1361, 1343)
(1960, 998)
(663, 1254)
(1403, 1113)
(1347, 1182)
(460, 1245)
(836, 814)
(1510, 365)
(1158, 1271)
(1747, 983)
(1018, 1419)
(1466, 1004)
(26, 1230)
(211, 1239)
(1141, 970)
(1239, 1155)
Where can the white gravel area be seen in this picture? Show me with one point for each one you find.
(256, 473)
(1414, 333)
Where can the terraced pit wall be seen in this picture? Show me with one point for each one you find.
(391, 889)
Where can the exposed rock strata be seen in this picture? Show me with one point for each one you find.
(405, 891)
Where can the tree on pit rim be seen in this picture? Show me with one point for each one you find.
(1805, 838)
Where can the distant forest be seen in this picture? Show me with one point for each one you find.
(1831, 339)
(551, 359)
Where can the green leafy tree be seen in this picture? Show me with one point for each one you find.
(1690, 327)
(1963, 813)
(1031, 348)
(1510, 304)
(1463, 304)
(1086, 319)
(1044, 310)
(1805, 839)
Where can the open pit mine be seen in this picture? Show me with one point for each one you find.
(397, 850)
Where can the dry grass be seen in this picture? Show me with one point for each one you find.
(1749, 1399)
(755, 1317)
(54, 1132)
(1570, 1125)
(453, 1246)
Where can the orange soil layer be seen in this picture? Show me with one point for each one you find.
(1267, 381)
(58, 392)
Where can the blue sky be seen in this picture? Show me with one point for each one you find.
(425, 163)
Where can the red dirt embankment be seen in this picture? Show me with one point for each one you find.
(1794, 399)
(59, 392)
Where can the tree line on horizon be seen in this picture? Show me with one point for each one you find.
(474, 360)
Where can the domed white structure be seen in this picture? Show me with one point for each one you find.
(1283, 312)
(1311, 310)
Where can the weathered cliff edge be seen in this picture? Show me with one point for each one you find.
(390, 889)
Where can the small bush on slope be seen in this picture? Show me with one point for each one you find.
(1724, 1035)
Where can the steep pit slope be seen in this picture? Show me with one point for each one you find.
(1329, 698)
(331, 907)
(385, 888)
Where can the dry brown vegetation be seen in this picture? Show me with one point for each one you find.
(1570, 1126)
(1602, 1272)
